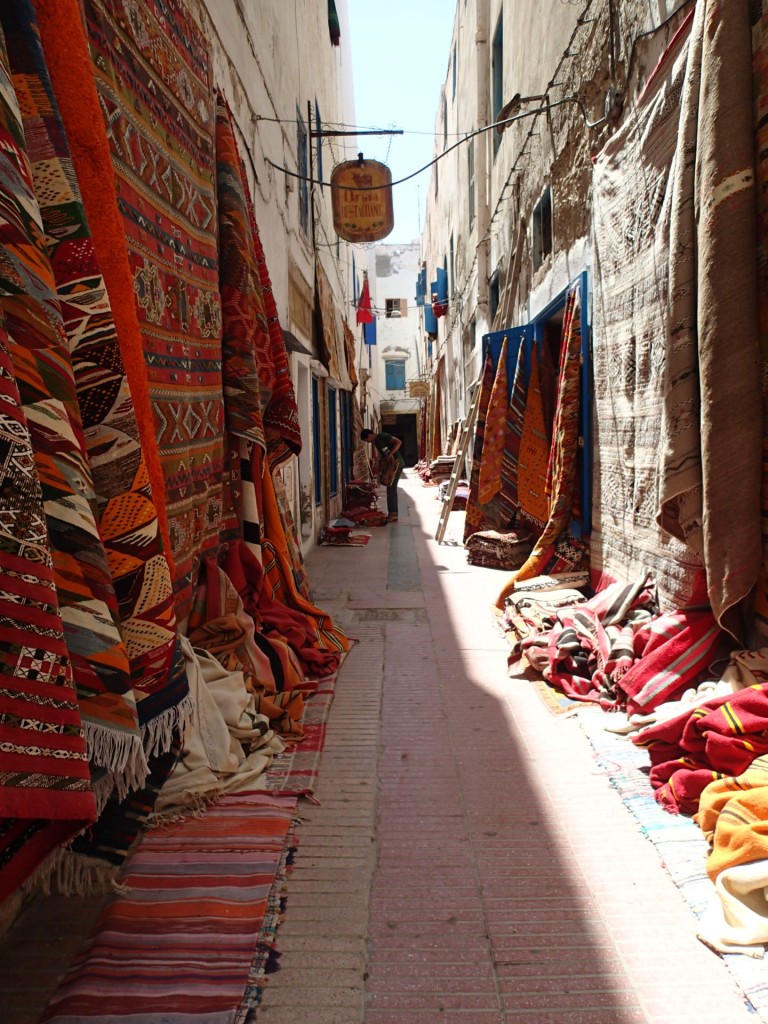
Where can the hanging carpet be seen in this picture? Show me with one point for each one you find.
(476, 517)
(37, 343)
(631, 224)
(711, 402)
(127, 519)
(154, 81)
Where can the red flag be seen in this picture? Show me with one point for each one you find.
(364, 314)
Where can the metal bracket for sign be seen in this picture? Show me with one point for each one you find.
(458, 466)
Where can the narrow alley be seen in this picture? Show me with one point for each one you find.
(464, 857)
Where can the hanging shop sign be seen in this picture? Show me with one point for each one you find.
(361, 196)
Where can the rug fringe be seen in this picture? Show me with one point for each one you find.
(159, 733)
(123, 756)
(266, 957)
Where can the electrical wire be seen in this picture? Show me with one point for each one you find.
(445, 152)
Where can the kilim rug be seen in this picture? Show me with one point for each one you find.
(128, 522)
(154, 79)
(631, 223)
(489, 480)
(45, 788)
(476, 518)
(42, 366)
(296, 770)
(178, 945)
(679, 842)
(550, 549)
(69, 64)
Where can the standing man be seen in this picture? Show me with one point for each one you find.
(386, 444)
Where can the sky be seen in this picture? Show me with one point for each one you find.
(400, 52)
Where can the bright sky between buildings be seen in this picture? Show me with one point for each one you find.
(400, 51)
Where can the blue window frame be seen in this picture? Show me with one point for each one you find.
(317, 465)
(533, 333)
(333, 440)
(395, 379)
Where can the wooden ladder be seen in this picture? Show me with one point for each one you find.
(458, 466)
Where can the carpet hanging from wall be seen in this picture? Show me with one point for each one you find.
(508, 492)
(631, 223)
(489, 479)
(45, 787)
(182, 941)
(760, 120)
(281, 416)
(127, 516)
(476, 517)
(711, 431)
(154, 80)
(37, 342)
(556, 549)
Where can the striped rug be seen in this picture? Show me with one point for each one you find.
(178, 945)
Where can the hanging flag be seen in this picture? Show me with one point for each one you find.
(369, 332)
(364, 314)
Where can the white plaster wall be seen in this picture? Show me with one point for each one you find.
(396, 336)
(553, 148)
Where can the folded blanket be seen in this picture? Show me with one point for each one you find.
(721, 737)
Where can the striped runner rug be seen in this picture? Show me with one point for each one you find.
(179, 943)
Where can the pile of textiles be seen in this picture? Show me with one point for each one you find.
(365, 516)
(461, 486)
(360, 494)
(422, 468)
(461, 497)
(441, 467)
(152, 598)
(496, 550)
(615, 648)
(719, 737)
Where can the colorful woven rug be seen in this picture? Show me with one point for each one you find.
(489, 480)
(555, 549)
(476, 517)
(154, 80)
(296, 770)
(128, 522)
(37, 343)
(679, 842)
(179, 944)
